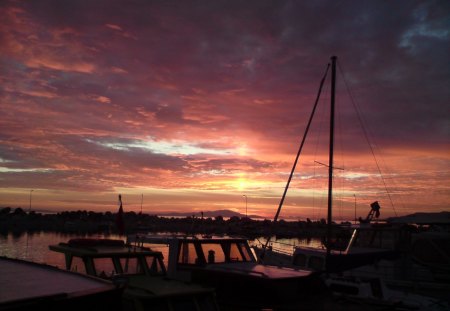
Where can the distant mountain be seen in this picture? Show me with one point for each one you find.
(422, 218)
(224, 213)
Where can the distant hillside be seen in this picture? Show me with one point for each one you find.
(224, 213)
(422, 218)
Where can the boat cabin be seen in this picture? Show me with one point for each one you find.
(140, 270)
(364, 248)
(106, 258)
(229, 265)
(190, 252)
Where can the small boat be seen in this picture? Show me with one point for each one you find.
(32, 286)
(355, 254)
(229, 265)
(139, 270)
(369, 244)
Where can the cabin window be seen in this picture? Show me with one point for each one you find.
(316, 263)
(245, 252)
(235, 254)
(300, 260)
(154, 265)
(187, 255)
(131, 266)
(104, 267)
(78, 265)
(214, 252)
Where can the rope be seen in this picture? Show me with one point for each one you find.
(297, 157)
(361, 121)
(324, 99)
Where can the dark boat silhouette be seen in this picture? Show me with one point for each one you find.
(139, 270)
(27, 286)
(229, 265)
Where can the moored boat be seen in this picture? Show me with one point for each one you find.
(229, 265)
(140, 270)
(328, 259)
(366, 248)
(27, 285)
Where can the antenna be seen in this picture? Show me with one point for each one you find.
(29, 210)
(245, 205)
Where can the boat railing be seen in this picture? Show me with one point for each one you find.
(156, 239)
(81, 242)
(279, 247)
(351, 242)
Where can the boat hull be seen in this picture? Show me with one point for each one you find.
(262, 289)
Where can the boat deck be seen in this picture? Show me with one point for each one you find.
(103, 251)
(21, 280)
(263, 271)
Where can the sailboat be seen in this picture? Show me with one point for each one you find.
(333, 262)
(326, 259)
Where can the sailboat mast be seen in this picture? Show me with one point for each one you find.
(330, 161)
(297, 157)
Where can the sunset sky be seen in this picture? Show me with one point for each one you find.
(198, 105)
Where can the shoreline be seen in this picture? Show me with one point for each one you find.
(17, 221)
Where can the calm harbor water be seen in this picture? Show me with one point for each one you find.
(34, 246)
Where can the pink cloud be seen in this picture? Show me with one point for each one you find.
(62, 66)
(101, 99)
(114, 27)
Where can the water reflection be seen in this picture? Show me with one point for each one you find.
(33, 246)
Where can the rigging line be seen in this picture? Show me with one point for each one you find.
(394, 183)
(341, 151)
(314, 193)
(366, 136)
(325, 98)
(298, 155)
(389, 172)
(301, 145)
